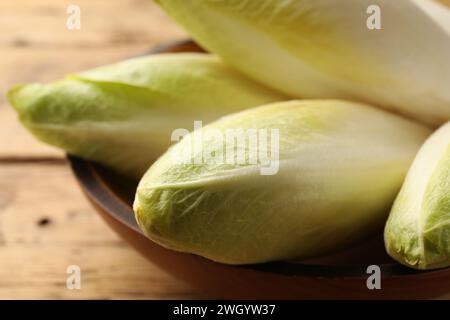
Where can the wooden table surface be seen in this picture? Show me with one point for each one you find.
(46, 224)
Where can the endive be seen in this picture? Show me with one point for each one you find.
(417, 233)
(324, 49)
(340, 166)
(122, 115)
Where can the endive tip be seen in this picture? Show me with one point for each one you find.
(12, 96)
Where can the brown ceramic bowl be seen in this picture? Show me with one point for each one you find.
(339, 276)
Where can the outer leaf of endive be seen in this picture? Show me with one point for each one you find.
(122, 115)
(341, 165)
(323, 48)
(417, 233)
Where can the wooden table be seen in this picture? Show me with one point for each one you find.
(46, 224)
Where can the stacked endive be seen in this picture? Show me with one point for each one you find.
(318, 129)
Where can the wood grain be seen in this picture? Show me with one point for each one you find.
(47, 225)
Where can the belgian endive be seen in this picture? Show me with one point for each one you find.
(287, 180)
(417, 233)
(390, 53)
(123, 115)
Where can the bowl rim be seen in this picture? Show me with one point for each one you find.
(101, 195)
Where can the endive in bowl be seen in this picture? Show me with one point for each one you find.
(417, 233)
(316, 176)
(329, 49)
(122, 115)
(341, 275)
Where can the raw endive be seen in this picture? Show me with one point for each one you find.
(122, 115)
(337, 167)
(417, 233)
(325, 49)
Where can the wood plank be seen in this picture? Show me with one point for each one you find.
(35, 45)
(46, 225)
(106, 273)
(42, 23)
